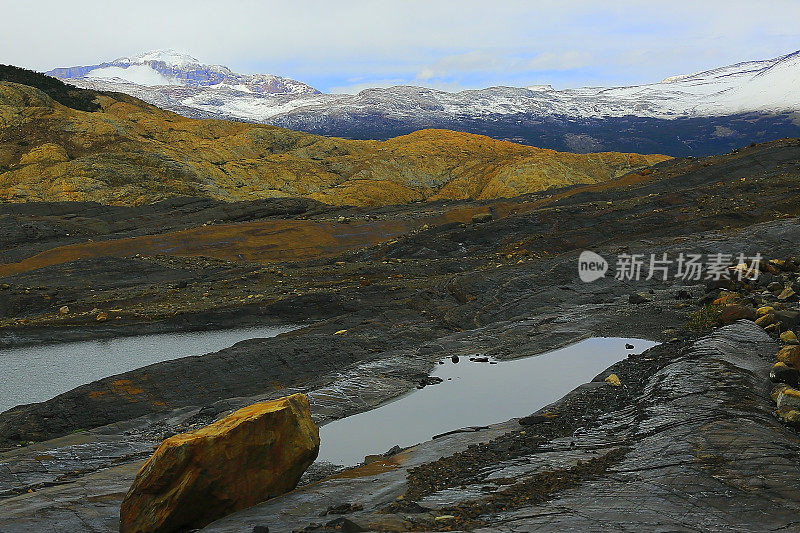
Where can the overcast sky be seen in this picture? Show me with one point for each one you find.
(343, 46)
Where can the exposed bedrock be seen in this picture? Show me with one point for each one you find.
(688, 443)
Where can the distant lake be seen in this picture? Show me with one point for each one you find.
(37, 373)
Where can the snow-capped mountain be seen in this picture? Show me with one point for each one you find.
(168, 68)
(682, 115)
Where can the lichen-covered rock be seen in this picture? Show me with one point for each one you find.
(790, 416)
(777, 390)
(789, 399)
(251, 455)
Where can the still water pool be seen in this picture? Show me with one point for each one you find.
(472, 394)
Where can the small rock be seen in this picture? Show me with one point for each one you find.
(454, 359)
(344, 525)
(774, 286)
(783, 373)
(790, 355)
(780, 264)
(482, 217)
(789, 337)
(733, 312)
(788, 294)
(636, 298)
(64, 310)
(776, 390)
(766, 320)
(727, 297)
(789, 399)
(764, 310)
(789, 319)
(790, 416)
(428, 380)
(629, 346)
(613, 380)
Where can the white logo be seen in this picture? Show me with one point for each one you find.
(591, 266)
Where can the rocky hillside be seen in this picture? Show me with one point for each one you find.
(129, 152)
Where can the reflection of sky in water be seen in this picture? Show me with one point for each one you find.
(37, 373)
(473, 394)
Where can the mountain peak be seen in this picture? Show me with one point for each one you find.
(168, 56)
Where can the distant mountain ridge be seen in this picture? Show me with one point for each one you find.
(708, 112)
(172, 68)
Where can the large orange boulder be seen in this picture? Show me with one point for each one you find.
(251, 455)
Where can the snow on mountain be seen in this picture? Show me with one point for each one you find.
(770, 85)
(160, 68)
(773, 87)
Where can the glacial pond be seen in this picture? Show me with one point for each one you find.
(37, 373)
(472, 394)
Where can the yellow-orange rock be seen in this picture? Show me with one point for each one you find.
(764, 310)
(766, 320)
(790, 355)
(192, 479)
(789, 337)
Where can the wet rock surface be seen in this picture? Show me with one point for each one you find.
(690, 442)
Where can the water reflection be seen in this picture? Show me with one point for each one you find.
(472, 394)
